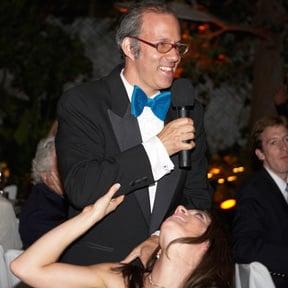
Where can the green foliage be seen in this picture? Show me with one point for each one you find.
(36, 59)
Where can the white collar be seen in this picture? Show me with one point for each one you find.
(129, 88)
(278, 180)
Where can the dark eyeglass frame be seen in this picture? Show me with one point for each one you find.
(178, 46)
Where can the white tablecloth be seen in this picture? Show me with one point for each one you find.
(9, 235)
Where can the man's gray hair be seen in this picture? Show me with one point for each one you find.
(131, 23)
(42, 161)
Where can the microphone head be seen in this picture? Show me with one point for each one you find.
(183, 93)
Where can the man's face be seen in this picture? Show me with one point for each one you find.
(152, 70)
(274, 153)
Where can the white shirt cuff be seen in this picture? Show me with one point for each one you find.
(156, 233)
(160, 161)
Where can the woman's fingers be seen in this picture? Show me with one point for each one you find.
(113, 203)
(112, 190)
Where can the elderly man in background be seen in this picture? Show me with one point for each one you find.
(261, 219)
(45, 207)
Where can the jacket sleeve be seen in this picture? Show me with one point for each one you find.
(81, 144)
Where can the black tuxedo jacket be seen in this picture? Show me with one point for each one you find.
(99, 143)
(260, 229)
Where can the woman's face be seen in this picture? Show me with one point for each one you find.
(184, 223)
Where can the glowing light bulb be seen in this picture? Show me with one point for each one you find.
(228, 204)
(231, 178)
(221, 180)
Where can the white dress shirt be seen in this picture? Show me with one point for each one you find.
(150, 126)
(279, 182)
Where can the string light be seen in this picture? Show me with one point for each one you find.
(215, 170)
(239, 169)
(231, 178)
(221, 181)
(228, 204)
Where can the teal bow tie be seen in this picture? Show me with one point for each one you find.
(159, 105)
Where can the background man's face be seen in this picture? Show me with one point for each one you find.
(274, 153)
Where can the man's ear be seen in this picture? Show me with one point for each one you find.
(260, 155)
(126, 48)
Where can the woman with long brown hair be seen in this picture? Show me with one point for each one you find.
(193, 252)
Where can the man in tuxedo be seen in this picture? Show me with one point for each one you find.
(260, 228)
(104, 137)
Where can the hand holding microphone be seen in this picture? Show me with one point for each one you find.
(178, 135)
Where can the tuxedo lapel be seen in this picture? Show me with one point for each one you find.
(166, 190)
(126, 129)
(280, 198)
(274, 191)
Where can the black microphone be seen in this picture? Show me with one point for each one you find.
(183, 95)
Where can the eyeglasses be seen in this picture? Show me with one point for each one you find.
(165, 47)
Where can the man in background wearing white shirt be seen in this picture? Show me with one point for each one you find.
(260, 228)
(104, 137)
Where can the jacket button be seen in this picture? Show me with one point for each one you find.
(132, 183)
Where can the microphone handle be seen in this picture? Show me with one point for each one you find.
(184, 155)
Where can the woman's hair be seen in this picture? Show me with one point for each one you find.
(216, 269)
(131, 23)
(42, 161)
